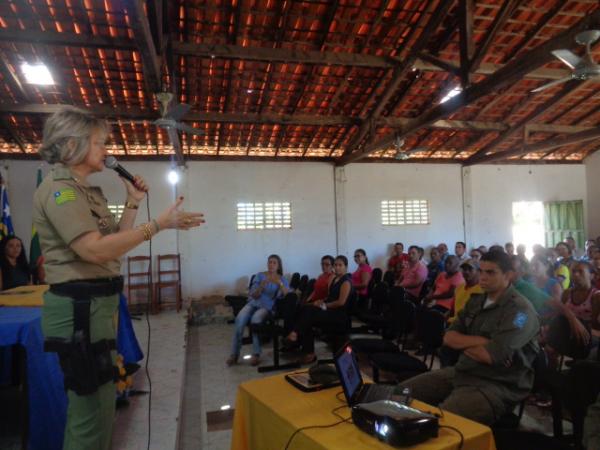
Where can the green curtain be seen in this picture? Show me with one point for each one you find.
(564, 219)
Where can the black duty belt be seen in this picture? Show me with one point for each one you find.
(99, 287)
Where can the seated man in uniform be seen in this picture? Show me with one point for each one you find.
(496, 334)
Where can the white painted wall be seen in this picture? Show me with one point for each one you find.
(495, 187)
(217, 258)
(592, 170)
(367, 184)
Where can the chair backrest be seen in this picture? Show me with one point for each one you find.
(295, 281)
(310, 287)
(169, 268)
(559, 337)
(404, 316)
(138, 267)
(377, 275)
(431, 326)
(380, 295)
(303, 282)
(389, 278)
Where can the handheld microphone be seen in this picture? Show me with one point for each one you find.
(112, 163)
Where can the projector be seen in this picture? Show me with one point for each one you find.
(395, 424)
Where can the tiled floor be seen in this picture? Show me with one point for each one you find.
(166, 369)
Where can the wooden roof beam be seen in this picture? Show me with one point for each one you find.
(507, 75)
(126, 114)
(66, 39)
(11, 132)
(399, 74)
(145, 44)
(466, 45)
(506, 10)
(484, 155)
(548, 144)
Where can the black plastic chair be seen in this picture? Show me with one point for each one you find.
(302, 284)
(274, 327)
(294, 281)
(389, 278)
(574, 390)
(396, 326)
(310, 287)
(431, 333)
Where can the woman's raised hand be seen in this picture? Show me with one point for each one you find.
(180, 220)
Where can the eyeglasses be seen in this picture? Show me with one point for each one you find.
(357, 256)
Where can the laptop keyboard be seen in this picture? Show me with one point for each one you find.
(378, 392)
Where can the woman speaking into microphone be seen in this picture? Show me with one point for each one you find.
(82, 244)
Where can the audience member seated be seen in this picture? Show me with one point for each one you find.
(575, 252)
(496, 248)
(482, 249)
(521, 250)
(267, 287)
(509, 248)
(496, 334)
(562, 270)
(321, 287)
(329, 312)
(361, 277)
(443, 249)
(475, 254)
(460, 251)
(13, 262)
(538, 298)
(442, 296)
(414, 275)
(470, 272)
(576, 329)
(590, 251)
(543, 277)
(435, 266)
(596, 267)
(397, 260)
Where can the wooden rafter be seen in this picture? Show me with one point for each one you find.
(506, 10)
(485, 155)
(11, 132)
(548, 144)
(506, 76)
(466, 46)
(145, 44)
(399, 73)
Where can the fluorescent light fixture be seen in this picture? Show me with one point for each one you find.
(249, 91)
(247, 357)
(37, 74)
(452, 93)
(225, 407)
(173, 177)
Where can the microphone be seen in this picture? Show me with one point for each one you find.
(112, 163)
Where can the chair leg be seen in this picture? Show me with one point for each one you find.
(276, 365)
(557, 416)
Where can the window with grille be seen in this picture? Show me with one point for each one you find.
(404, 212)
(117, 211)
(264, 216)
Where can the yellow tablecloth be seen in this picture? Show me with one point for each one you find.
(24, 296)
(269, 410)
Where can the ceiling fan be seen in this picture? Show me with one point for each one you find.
(404, 154)
(170, 115)
(583, 67)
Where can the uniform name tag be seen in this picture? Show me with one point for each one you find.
(64, 196)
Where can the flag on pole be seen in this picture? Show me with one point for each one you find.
(6, 226)
(35, 251)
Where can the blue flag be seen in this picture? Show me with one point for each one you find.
(6, 226)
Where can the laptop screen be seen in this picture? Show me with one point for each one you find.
(348, 371)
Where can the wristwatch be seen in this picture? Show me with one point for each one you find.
(130, 205)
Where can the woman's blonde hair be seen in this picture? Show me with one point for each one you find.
(67, 135)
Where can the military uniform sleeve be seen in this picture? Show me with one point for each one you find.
(68, 210)
(516, 329)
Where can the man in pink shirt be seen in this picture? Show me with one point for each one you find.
(414, 274)
(442, 296)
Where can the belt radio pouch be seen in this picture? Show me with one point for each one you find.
(85, 366)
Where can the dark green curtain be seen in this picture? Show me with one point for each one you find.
(564, 219)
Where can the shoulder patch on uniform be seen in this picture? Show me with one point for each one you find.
(520, 320)
(64, 195)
